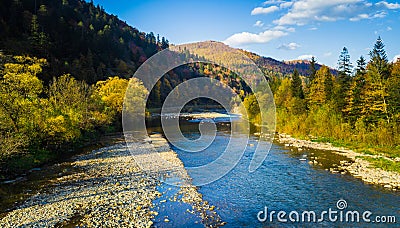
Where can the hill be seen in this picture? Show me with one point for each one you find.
(75, 37)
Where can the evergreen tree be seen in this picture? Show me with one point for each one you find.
(345, 69)
(375, 92)
(345, 66)
(312, 69)
(361, 65)
(297, 87)
(379, 60)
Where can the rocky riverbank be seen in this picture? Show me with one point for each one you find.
(110, 187)
(358, 167)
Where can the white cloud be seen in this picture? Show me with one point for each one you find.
(305, 57)
(283, 28)
(285, 5)
(396, 58)
(289, 46)
(389, 28)
(262, 10)
(272, 2)
(251, 38)
(363, 16)
(360, 17)
(389, 5)
(259, 24)
(302, 12)
(381, 14)
(327, 54)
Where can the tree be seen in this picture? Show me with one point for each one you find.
(375, 92)
(297, 85)
(20, 91)
(68, 110)
(135, 98)
(312, 69)
(39, 40)
(343, 81)
(112, 92)
(164, 43)
(354, 102)
(321, 87)
(379, 61)
(393, 88)
(345, 66)
(361, 65)
(252, 107)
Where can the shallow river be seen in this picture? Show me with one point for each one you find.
(285, 182)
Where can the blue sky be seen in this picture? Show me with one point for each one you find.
(280, 29)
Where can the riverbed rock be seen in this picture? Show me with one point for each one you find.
(356, 166)
(108, 188)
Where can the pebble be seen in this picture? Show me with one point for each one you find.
(356, 166)
(105, 193)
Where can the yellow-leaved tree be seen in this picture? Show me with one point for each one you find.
(19, 102)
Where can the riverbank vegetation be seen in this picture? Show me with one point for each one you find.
(358, 108)
(37, 119)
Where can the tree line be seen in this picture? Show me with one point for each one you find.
(36, 119)
(359, 106)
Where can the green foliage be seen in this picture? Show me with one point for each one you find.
(313, 69)
(297, 85)
(383, 163)
(252, 107)
(35, 118)
(76, 32)
(360, 111)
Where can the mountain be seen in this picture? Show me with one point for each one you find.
(78, 38)
(75, 37)
(218, 52)
(271, 65)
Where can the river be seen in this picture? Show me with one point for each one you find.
(284, 182)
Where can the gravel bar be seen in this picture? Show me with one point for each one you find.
(109, 189)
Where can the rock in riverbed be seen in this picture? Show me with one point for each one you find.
(107, 189)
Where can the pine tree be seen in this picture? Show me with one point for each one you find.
(297, 87)
(374, 95)
(312, 69)
(344, 77)
(361, 65)
(379, 60)
(345, 66)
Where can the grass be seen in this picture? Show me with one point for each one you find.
(364, 148)
(383, 164)
(22, 162)
(19, 163)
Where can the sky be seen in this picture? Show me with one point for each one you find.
(281, 29)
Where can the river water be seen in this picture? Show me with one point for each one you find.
(284, 182)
